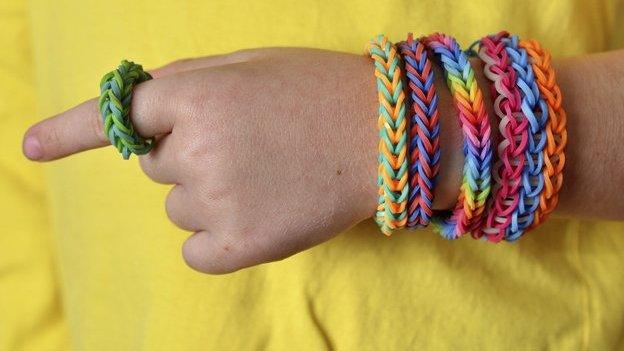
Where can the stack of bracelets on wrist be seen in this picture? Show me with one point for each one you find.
(527, 173)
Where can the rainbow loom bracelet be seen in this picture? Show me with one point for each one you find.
(424, 132)
(556, 133)
(392, 176)
(513, 128)
(536, 111)
(477, 149)
(114, 105)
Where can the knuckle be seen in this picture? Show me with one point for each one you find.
(196, 104)
(245, 54)
(177, 64)
(193, 154)
(219, 100)
(217, 187)
(172, 207)
(169, 203)
(204, 151)
(147, 166)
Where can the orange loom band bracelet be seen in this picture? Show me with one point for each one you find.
(556, 132)
(392, 176)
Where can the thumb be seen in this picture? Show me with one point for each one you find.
(81, 128)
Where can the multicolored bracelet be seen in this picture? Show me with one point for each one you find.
(392, 176)
(536, 111)
(513, 128)
(475, 126)
(424, 132)
(556, 133)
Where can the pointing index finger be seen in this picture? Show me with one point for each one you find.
(72, 131)
(81, 128)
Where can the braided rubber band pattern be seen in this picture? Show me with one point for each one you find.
(556, 133)
(511, 149)
(477, 147)
(536, 112)
(424, 133)
(114, 105)
(392, 172)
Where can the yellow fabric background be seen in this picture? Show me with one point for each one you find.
(89, 233)
(30, 309)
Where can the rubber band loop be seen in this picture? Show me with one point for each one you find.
(477, 148)
(392, 171)
(424, 132)
(114, 105)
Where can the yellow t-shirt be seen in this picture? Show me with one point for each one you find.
(88, 260)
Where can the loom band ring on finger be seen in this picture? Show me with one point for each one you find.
(513, 129)
(535, 109)
(556, 132)
(114, 105)
(392, 178)
(477, 146)
(424, 131)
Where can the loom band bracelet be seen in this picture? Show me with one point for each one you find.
(477, 149)
(114, 106)
(424, 131)
(513, 129)
(556, 133)
(536, 110)
(392, 176)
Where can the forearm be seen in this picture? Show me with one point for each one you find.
(594, 101)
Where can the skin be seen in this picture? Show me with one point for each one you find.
(273, 151)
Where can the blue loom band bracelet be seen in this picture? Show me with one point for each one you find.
(536, 110)
(424, 132)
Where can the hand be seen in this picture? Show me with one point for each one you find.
(271, 151)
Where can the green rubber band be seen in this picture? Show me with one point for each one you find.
(114, 104)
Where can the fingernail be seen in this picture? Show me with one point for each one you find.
(32, 148)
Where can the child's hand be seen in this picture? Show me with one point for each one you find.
(272, 151)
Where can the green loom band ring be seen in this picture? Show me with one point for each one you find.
(114, 105)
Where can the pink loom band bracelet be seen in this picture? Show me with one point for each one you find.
(507, 170)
